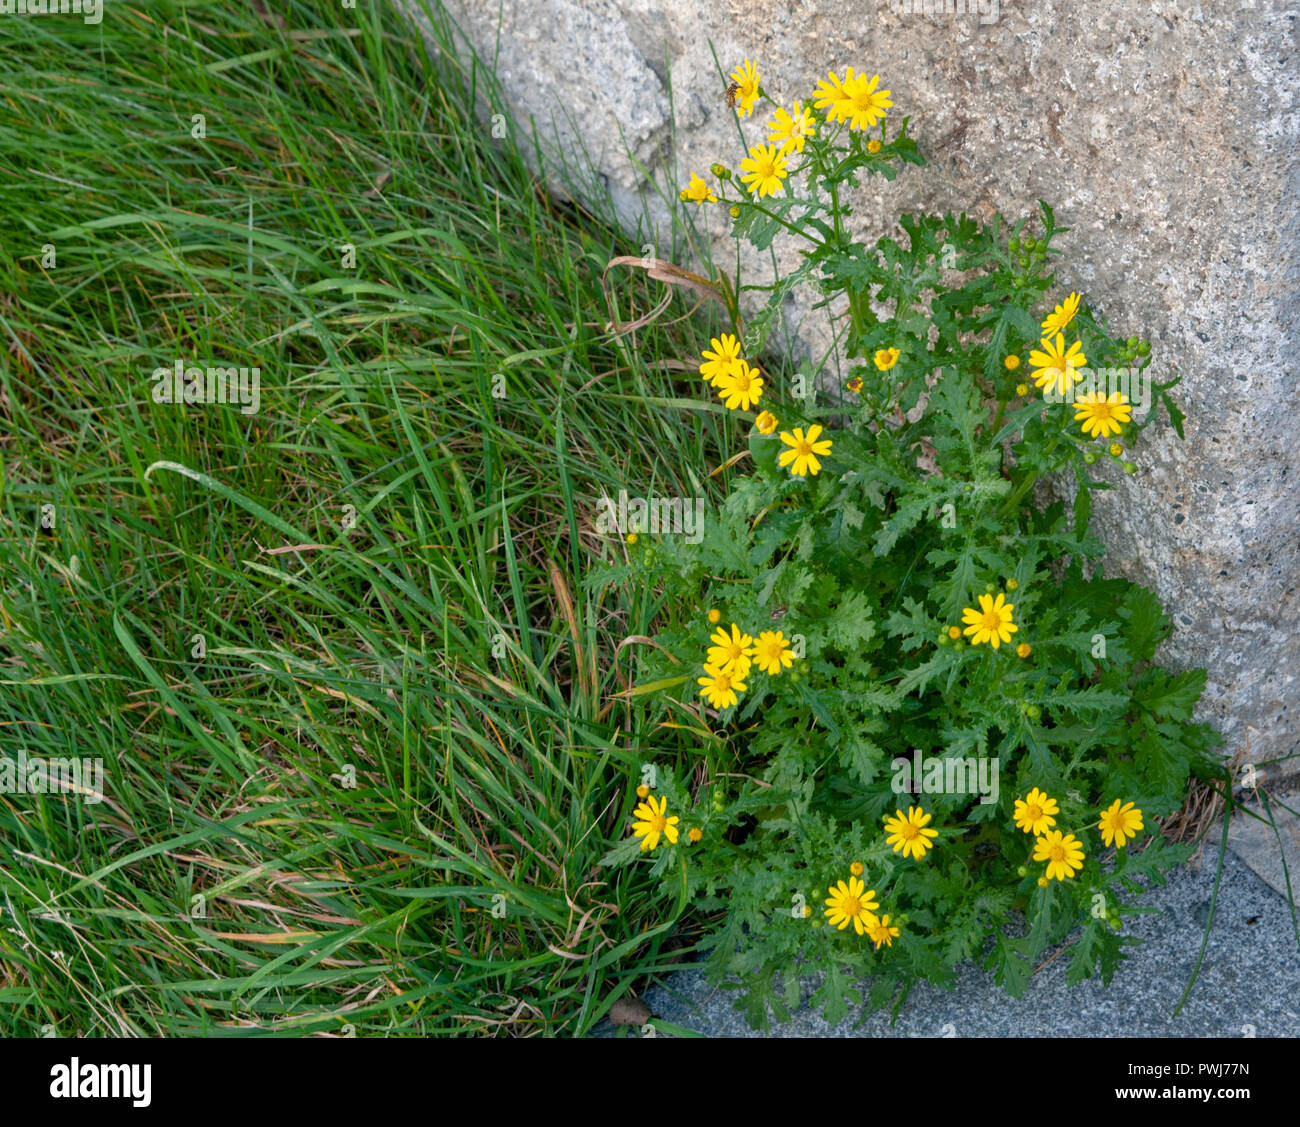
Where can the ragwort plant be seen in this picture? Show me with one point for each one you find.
(917, 728)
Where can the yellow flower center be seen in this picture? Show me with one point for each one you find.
(658, 823)
(851, 906)
(765, 167)
(909, 830)
(1101, 410)
(991, 620)
(1034, 813)
(803, 448)
(1057, 853)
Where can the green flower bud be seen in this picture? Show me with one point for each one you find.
(1144, 348)
(1033, 712)
(959, 645)
(734, 211)
(721, 171)
(1023, 261)
(1114, 924)
(1014, 246)
(1090, 457)
(989, 588)
(819, 923)
(1130, 467)
(1022, 871)
(943, 638)
(1132, 343)
(1039, 253)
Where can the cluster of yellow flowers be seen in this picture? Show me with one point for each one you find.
(1055, 367)
(853, 100)
(741, 387)
(1035, 814)
(730, 657)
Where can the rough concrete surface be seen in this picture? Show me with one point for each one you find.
(1246, 987)
(1164, 134)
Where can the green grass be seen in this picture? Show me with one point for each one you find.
(328, 650)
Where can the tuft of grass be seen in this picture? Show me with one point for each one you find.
(343, 660)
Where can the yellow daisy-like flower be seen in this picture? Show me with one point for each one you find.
(879, 931)
(1034, 814)
(834, 97)
(991, 623)
(1119, 823)
(908, 833)
(766, 422)
(1102, 416)
(791, 130)
(866, 105)
(772, 653)
(693, 835)
(855, 384)
(1024, 649)
(1061, 316)
(764, 170)
(746, 77)
(1012, 363)
(720, 687)
(722, 360)
(873, 146)
(698, 191)
(886, 358)
(850, 902)
(856, 868)
(1064, 855)
(804, 451)
(731, 651)
(1055, 365)
(653, 821)
(741, 388)
(1022, 389)
(714, 616)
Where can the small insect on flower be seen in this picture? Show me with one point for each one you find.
(730, 95)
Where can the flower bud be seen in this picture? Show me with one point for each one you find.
(1090, 457)
(721, 171)
(1022, 389)
(734, 211)
(1022, 871)
(1130, 467)
(1116, 450)
(1013, 585)
(1144, 348)
(1033, 712)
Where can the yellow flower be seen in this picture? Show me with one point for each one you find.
(1042, 882)
(1056, 367)
(721, 687)
(1034, 814)
(866, 105)
(742, 388)
(879, 931)
(873, 146)
(714, 615)
(722, 361)
(698, 191)
(856, 868)
(1116, 450)
(1061, 316)
(764, 170)
(1012, 363)
(1064, 855)
(773, 653)
(908, 833)
(631, 537)
(804, 452)
(833, 97)
(991, 623)
(693, 835)
(642, 791)
(766, 422)
(1024, 649)
(653, 822)
(792, 131)
(746, 77)
(855, 384)
(849, 904)
(1022, 389)
(954, 632)
(1102, 416)
(731, 652)
(886, 358)
(1119, 823)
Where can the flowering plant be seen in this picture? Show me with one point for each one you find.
(916, 726)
